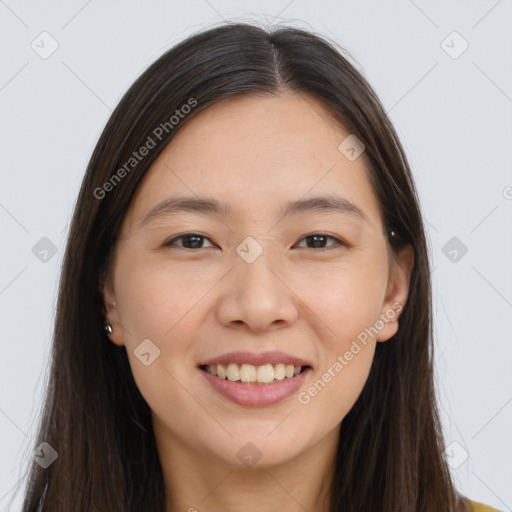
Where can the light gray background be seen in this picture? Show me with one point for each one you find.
(454, 118)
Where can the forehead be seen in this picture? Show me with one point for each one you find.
(257, 152)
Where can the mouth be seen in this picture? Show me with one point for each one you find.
(248, 374)
(259, 386)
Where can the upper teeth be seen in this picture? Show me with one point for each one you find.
(250, 373)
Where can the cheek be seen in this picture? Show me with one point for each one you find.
(348, 303)
(348, 298)
(160, 306)
(156, 296)
(349, 308)
(156, 304)
(334, 391)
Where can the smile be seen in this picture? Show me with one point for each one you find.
(256, 394)
(249, 373)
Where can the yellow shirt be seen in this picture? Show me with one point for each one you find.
(480, 507)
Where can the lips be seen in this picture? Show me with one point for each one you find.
(257, 395)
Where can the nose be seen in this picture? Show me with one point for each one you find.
(257, 296)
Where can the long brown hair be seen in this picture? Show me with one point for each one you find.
(389, 457)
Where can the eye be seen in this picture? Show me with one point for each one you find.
(318, 240)
(192, 239)
(195, 241)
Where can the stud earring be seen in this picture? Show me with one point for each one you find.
(108, 328)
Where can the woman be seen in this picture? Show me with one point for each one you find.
(244, 315)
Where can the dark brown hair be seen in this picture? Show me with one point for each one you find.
(389, 457)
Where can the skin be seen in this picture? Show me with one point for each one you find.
(257, 153)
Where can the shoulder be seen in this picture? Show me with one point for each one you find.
(480, 507)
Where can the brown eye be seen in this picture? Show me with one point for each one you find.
(319, 240)
(189, 241)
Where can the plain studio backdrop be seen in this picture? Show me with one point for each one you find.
(442, 70)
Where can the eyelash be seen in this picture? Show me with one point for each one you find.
(338, 241)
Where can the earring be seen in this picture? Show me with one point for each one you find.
(108, 328)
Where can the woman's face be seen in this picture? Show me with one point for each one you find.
(314, 284)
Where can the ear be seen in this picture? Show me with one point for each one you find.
(397, 292)
(111, 314)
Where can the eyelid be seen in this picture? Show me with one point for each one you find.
(339, 241)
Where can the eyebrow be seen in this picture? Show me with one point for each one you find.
(207, 206)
